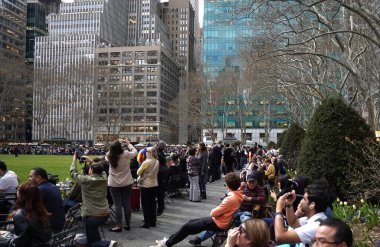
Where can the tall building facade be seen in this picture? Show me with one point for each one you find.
(244, 115)
(135, 88)
(64, 67)
(198, 42)
(37, 11)
(12, 72)
(179, 17)
(144, 25)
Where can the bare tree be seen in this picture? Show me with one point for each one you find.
(318, 48)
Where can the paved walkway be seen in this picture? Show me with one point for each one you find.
(173, 218)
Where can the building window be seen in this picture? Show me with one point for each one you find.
(151, 94)
(151, 110)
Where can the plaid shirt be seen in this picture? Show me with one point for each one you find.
(258, 195)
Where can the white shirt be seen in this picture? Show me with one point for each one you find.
(9, 182)
(306, 232)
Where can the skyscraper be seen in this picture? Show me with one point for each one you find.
(144, 23)
(179, 17)
(64, 66)
(37, 11)
(232, 109)
(12, 71)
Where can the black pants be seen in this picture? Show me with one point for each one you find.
(229, 167)
(192, 227)
(161, 198)
(213, 172)
(148, 205)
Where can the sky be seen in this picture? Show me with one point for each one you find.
(201, 11)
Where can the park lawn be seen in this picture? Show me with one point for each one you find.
(55, 164)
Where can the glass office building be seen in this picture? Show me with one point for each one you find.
(261, 120)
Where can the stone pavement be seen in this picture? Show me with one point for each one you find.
(172, 219)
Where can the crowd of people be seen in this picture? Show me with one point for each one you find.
(301, 215)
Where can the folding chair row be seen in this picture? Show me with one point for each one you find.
(64, 238)
(72, 217)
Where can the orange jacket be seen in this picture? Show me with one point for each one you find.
(222, 214)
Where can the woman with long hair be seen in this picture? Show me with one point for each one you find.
(120, 181)
(252, 233)
(148, 183)
(31, 219)
(203, 158)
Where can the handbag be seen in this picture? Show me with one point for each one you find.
(140, 179)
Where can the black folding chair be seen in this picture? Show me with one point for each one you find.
(72, 217)
(7, 201)
(64, 238)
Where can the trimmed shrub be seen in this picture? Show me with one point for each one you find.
(325, 150)
(291, 144)
(271, 144)
(281, 139)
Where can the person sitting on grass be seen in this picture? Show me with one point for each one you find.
(220, 217)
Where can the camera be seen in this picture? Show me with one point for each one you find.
(80, 155)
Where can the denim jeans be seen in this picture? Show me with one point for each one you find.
(92, 223)
(202, 183)
(122, 199)
(194, 188)
(243, 215)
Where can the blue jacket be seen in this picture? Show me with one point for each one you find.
(52, 199)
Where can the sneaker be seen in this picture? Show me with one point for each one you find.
(161, 243)
(196, 241)
(113, 243)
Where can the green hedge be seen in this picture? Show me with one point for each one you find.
(325, 150)
(291, 144)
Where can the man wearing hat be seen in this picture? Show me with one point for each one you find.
(253, 194)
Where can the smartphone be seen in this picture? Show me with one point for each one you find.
(290, 196)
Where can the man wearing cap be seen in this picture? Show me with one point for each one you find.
(253, 194)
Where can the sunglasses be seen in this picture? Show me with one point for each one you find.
(242, 229)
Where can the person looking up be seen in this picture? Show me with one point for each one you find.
(252, 233)
(312, 206)
(94, 210)
(120, 181)
(148, 184)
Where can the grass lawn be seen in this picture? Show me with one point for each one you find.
(56, 164)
